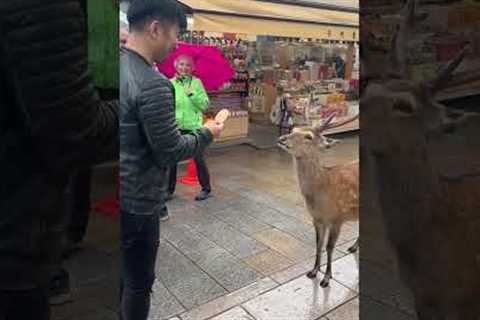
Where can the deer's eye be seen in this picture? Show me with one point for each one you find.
(308, 137)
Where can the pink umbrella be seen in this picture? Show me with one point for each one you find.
(210, 65)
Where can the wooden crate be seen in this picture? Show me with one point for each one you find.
(235, 127)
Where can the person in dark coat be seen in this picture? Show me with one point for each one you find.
(52, 123)
(150, 143)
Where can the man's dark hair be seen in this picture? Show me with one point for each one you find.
(166, 11)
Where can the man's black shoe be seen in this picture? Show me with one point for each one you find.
(169, 197)
(203, 195)
(59, 291)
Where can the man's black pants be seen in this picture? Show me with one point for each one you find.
(24, 304)
(202, 172)
(140, 236)
(78, 204)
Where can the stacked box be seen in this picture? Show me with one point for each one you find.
(236, 126)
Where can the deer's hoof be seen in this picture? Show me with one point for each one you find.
(353, 249)
(325, 283)
(312, 274)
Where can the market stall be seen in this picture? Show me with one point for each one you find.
(294, 64)
(438, 40)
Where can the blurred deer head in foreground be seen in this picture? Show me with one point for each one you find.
(397, 104)
(400, 119)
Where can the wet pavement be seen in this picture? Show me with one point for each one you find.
(94, 270)
(242, 254)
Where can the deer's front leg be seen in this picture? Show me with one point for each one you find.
(320, 235)
(332, 240)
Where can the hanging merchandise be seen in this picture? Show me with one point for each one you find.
(281, 80)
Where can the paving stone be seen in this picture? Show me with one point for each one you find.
(236, 217)
(185, 280)
(230, 184)
(298, 210)
(345, 271)
(285, 244)
(163, 303)
(229, 271)
(205, 246)
(301, 298)
(291, 193)
(230, 300)
(202, 222)
(180, 205)
(236, 313)
(300, 269)
(347, 233)
(212, 204)
(298, 229)
(266, 199)
(353, 224)
(347, 311)
(186, 239)
(268, 262)
(224, 235)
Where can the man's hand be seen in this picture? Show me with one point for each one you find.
(214, 127)
(188, 91)
(124, 34)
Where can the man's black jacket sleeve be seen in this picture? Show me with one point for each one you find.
(159, 125)
(47, 54)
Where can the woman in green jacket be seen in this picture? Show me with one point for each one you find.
(191, 100)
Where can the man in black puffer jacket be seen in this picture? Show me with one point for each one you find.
(52, 123)
(150, 142)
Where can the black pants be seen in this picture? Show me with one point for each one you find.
(32, 240)
(202, 171)
(140, 239)
(24, 305)
(78, 204)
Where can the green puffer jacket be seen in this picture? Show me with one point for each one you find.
(189, 109)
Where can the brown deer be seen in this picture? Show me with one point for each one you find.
(330, 191)
(431, 213)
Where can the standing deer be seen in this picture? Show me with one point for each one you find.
(330, 192)
(432, 226)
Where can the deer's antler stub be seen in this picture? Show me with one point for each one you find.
(446, 72)
(317, 130)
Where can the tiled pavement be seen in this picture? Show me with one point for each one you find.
(242, 254)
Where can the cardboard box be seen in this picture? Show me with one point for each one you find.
(236, 126)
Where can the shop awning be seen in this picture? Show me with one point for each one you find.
(273, 19)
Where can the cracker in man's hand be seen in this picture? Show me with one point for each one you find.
(222, 116)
